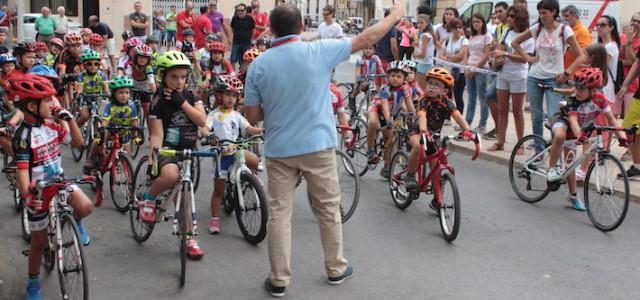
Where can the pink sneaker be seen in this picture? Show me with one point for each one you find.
(214, 225)
(148, 211)
(193, 250)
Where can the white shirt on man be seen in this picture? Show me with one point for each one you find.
(330, 31)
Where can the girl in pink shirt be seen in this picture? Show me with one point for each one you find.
(408, 33)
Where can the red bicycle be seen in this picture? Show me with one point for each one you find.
(118, 164)
(439, 181)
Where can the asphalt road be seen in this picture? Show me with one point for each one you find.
(506, 249)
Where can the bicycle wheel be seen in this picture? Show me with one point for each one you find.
(349, 186)
(526, 170)
(121, 182)
(92, 132)
(48, 254)
(397, 171)
(356, 147)
(77, 152)
(24, 220)
(184, 223)
(74, 280)
(252, 219)
(141, 230)
(449, 213)
(606, 195)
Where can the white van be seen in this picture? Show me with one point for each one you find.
(590, 10)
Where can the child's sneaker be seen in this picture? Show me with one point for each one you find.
(193, 250)
(214, 225)
(554, 174)
(33, 289)
(84, 235)
(576, 202)
(148, 209)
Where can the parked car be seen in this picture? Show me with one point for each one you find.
(30, 30)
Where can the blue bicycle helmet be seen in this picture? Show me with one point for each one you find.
(44, 71)
(7, 57)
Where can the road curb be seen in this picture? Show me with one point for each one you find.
(487, 156)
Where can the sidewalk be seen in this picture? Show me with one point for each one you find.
(502, 157)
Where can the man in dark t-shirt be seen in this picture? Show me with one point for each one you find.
(104, 30)
(387, 47)
(243, 27)
(139, 22)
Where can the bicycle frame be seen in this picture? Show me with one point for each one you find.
(442, 164)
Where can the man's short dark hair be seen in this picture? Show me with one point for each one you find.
(204, 9)
(502, 4)
(328, 8)
(285, 19)
(244, 6)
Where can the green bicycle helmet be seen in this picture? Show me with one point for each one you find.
(88, 55)
(170, 60)
(119, 82)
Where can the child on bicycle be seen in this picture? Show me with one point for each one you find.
(152, 42)
(69, 62)
(174, 119)
(368, 64)
(226, 123)
(129, 52)
(41, 53)
(39, 156)
(55, 48)
(416, 91)
(247, 58)
(120, 111)
(91, 81)
(7, 64)
(97, 44)
(395, 96)
(188, 47)
(86, 39)
(261, 44)
(434, 109)
(581, 111)
(217, 64)
(141, 71)
(25, 54)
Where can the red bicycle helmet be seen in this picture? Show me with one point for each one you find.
(96, 39)
(28, 87)
(41, 46)
(589, 77)
(144, 50)
(251, 55)
(56, 41)
(216, 46)
(230, 84)
(72, 38)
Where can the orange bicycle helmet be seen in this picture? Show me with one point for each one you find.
(588, 77)
(72, 38)
(443, 75)
(251, 55)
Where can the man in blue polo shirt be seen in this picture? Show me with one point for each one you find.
(288, 88)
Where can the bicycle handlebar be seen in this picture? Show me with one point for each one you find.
(61, 181)
(445, 139)
(370, 76)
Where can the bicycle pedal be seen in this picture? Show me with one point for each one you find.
(414, 195)
(25, 252)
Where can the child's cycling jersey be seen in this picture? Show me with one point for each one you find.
(438, 111)
(394, 95)
(226, 125)
(120, 114)
(92, 83)
(337, 101)
(369, 65)
(38, 149)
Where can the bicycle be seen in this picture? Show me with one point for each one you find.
(18, 203)
(64, 246)
(118, 164)
(184, 217)
(91, 126)
(361, 104)
(440, 182)
(528, 176)
(244, 192)
(69, 81)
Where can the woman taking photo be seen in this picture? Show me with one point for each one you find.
(455, 50)
(479, 43)
(547, 63)
(512, 77)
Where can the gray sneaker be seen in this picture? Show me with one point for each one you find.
(348, 273)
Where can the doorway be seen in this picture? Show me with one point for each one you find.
(89, 8)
